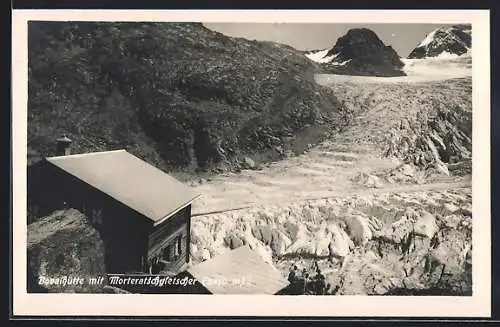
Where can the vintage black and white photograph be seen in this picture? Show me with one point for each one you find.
(183, 149)
(320, 159)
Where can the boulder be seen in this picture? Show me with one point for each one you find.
(368, 180)
(407, 170)
(426, 225)
(279, 149)
(373, 182)
(340, 243)
(233, 241)
(303, 242)
(65, 245)
(256, 232)
(361, 277)
(301, 246)
(218, 235)
(205, 255)
(466, 211)
(359, 230)
(249, 239)
(311, 214)
(451, 207)
(193, 248)
(441, 167)
(322, 239)
(452, 251)
(333, 282)
(200, 234)
(280, 242)
(249, 163)
(291, 229)
(262, 233)
(451, 221)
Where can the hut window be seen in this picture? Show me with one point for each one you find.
(179, 245)
(97, 216)
(167, 253)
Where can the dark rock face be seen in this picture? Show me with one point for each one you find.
(63, 247)
(178, 95)
(364, 54)
(455, 40)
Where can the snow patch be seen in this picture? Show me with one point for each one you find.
(428, 39)
(417, 70)
(444, 66)
(320, 56)
(343, 63)
(448, 55)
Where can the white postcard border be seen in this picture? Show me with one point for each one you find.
(477, 305)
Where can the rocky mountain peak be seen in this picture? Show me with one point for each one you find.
(358, 39)
(454, 40)
(360, 52)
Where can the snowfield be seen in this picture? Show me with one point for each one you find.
(446, 66)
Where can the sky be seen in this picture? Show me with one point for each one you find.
(309, 36)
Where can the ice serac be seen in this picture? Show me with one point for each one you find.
(379, 244)
(360, 52)
(445, 42)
